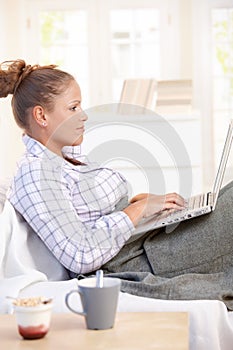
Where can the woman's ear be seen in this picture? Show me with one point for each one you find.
(39, 116)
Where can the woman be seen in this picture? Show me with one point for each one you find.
(81, 211)
(47, 105)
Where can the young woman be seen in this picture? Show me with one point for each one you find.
(82, 212)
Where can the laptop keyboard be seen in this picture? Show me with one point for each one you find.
(197, 201)
(194, 202)
(170, 216)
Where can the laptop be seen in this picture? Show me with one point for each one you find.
(196, 205)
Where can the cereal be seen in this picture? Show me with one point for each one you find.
(34, 301)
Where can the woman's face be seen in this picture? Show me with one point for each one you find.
(65, 124)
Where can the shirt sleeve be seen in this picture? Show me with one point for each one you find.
(43, 198)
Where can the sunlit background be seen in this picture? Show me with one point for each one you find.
(103, 43)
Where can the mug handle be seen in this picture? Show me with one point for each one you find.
(68, 295)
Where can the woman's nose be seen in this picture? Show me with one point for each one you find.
(84, 116)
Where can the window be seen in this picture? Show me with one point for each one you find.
(222, 70)
(135, 45)
(213, 78)
(103, 42)
(63, 41)
(222, 78)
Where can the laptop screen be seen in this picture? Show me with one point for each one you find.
(223, 163)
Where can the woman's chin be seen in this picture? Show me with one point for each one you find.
(78, 141)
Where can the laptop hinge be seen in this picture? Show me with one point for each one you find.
(211, 199)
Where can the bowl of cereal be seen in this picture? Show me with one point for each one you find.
(33, 316)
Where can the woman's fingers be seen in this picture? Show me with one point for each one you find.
(174, 199)
(152, 203)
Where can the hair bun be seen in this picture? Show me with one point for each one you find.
(10, 76)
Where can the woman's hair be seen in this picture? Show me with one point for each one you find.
(31, 86)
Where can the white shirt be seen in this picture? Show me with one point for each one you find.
(75, 209)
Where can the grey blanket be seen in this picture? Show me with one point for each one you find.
(194, 261)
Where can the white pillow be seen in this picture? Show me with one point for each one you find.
(42, 258)
(4, 185)
(22, 251)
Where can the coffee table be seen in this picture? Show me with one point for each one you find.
(132, 331)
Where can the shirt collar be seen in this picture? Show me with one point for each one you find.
(72, 151)
(39, 150)
(33, 146)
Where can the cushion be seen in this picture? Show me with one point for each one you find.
(4, 185)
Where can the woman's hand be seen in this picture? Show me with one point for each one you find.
(144, 205)
(156, 203)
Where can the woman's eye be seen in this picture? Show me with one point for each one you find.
(74, 108)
